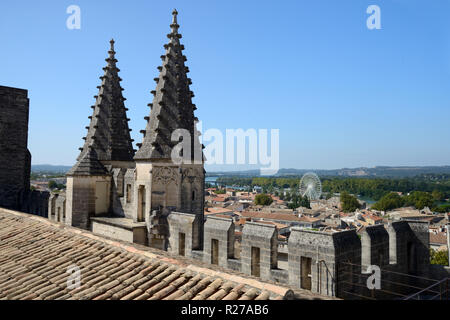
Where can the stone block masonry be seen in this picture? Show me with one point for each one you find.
(183, 233)
(218, 240)
(314, 258)
(259, 249)
(15, 159)
(375, 244)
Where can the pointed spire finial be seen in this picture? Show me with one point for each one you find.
(174, 13)
(174, 26)
(111, 50)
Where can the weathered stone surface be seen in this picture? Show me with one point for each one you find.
(220, 230)
(183, 233)
(375, 246)
(172, 106)
(326, 251)
(264, 239)
(108, 133)
(15, 159)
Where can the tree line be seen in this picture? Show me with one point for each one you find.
(374, 188)
(417, 199)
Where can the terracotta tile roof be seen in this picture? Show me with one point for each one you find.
(371, 216)
(309, 219)
(35, 254)
(273, 216)
(216, 210)
(277, 225)
(438, 238)
(222, 216)
(277, 216)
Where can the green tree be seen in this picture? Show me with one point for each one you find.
(388, 202)
(304, 202)
(263, 199)
(299, 201)
(349, 203)
(288, 196)
(52, 184)
(420, 199)
(443, 208)
(438, 195)
(439, 257)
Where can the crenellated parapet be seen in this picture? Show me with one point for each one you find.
(314, 258)
(259, 249)
(36, 202)
(184, 236)
(57, 207)
(219, 240)
(375, 246)
(328, 263)
(409, 245)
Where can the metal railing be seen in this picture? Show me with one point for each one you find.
(437, 291)
(394, 285)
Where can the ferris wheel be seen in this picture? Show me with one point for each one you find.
(310, 186)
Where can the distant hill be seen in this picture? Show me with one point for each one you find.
(49, 168)
(381, 172)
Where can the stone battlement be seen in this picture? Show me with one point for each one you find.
(317, 261)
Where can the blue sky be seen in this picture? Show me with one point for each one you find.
(342, 95)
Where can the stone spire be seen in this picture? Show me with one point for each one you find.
(108, 133)
(88, 165)
(172, 106)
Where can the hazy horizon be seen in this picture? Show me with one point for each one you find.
(231, 170)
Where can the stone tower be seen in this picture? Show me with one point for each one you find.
(163, 184)
(97, 178)
(15, 159)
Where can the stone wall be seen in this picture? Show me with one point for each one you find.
(57, 207)
(259, 249)
(327, 263)
(127, 201)
(419, 240)
(134, 234)
(183, 233)
(118, 191)
(36, 202)
(81, 199)
(112, 231)
(15, 159)
(314, 258)
(375, 246)
(218, 244)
